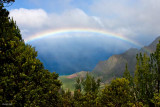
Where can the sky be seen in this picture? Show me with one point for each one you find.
(134, 19)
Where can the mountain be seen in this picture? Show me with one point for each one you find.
(111, 68)
(152, 47)
(115, 65)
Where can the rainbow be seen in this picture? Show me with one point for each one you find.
(56, 32)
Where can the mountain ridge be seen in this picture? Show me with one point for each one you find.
(115, 65)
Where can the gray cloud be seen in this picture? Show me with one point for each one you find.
(33, 18)
(133, 18)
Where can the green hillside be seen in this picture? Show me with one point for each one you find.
(68, 82)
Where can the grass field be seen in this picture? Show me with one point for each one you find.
(68, 82)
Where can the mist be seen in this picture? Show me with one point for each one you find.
(74, 53)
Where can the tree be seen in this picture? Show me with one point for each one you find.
(86, 91)
(116, 94)
(6, 1)
(90, 84)
(2, 2)
(23, 79)
(78, 98)
(78, 84)
(156, 99)
(156, 57)
(128, 76)
(144, 80)
(67, 99)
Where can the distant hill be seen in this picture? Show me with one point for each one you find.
(115, 65)
(152, 47)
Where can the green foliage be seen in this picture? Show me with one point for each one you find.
(90, 84)
(86, 91)
(128, 76)
(86, 100)
(144, 79)
(66, 99)
(156, 57)
(78, 84)
(146, 82)
(156, 99)
(116, 94)
(23, 79)
(77, 95)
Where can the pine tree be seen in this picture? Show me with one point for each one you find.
(128, 76)
(78, 84)
(144, 79)
(90, 84)
(86, 91)
(156, 56)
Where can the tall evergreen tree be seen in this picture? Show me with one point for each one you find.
(144, 79)
(128, 76)
(90, 84)
(156, 56)
(86, 91)
(78, 85)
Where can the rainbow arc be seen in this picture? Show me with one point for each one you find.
(55, 33)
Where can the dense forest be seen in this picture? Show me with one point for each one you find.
(25, 82)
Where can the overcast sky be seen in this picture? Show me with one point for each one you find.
(138, 20)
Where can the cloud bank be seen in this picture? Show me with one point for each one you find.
(133, 19)
(32, 21)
